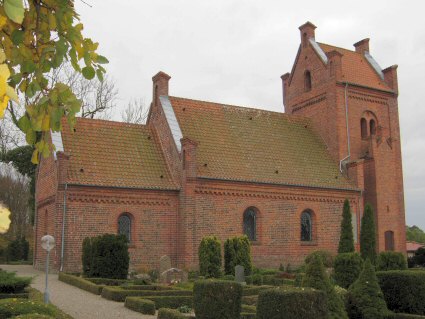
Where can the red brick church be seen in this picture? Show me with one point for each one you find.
(202, 168)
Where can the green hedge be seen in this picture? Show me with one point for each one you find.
(33, 316)
(145, 287)
(250, 300)
(209, 254)
(391, 260)
(108, 281)
(404, 290)
(347, 268)
(106, 256)
(254, 290)
(81, 283)
(144, 306)
(325, 256)
(237, 251)
(171, 301)
(217, 299)
(248, 315)
(248, 309)
(14, 307)
(292, 303)
(22, 295)
(165, 313)
(10, 283)
(403, 316)
(119, 294)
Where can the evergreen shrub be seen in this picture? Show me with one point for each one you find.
(237, 251)
(106, 256)
(391, 260)
(365, 298)
(217, 299)
(12, 284)
(346, 241)
(18, 250)
(347, 268)
(368, 235)
(165, 313)
(210, 257)
(404, 290)
(325, 256)
(292, 303)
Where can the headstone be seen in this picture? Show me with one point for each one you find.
(240, 274)
(164, 263)
(173, 276)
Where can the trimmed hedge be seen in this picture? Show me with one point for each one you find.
(209, 254)
(254, 290)
(108, 281)
(248, 315)
(147, 307)
(250, 300)
(391, 260)
(106, 256)
(22, 295)
(217, 299)
(325, 256)
(119, 294)
(165, 313)
(81, 283)
(248, 309)
(14, 307)
(404, 290)
(403, 316)
(173, 302)
(10, 283)
(292, 303)
(347, 268)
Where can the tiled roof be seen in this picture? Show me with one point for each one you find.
(413, 246)
(237, 143)
(116, 154)
(356, 69)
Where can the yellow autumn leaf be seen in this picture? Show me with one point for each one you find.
(2, 56)
(3, 86)
(45, 125)
(34, 158)
(3, 21)
(10, 92)
(4, 71)
(3, 105)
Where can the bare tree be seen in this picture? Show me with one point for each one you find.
(14, 194)
(98, 97)
(136, 112)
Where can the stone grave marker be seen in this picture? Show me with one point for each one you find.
(173, 275)
(240, 274)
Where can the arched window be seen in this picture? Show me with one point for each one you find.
(306, 226)
(250, 223)
(307, 81)
(363, 127)
(124, 226)
(389, 240)
(372, 126)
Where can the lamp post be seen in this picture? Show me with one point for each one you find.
(47, 242)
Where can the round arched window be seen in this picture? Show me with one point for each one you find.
(124, 226)
(306, 226)
(250, 223)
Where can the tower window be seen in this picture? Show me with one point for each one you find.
(389, 240)
(372, 125)
(124, 226)
(304, 40)
(307, 81)
(306, 226)
(363, 126)
(250, 223)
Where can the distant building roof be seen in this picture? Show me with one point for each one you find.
(359, 69)
(107, 153)
(245, 144)
(413, 246)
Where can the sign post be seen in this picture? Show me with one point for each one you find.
(47, 242)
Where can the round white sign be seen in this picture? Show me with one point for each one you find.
(47, 242)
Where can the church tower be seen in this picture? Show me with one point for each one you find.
(353, 106)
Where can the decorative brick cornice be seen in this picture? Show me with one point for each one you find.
(46, 201)
(117, 199)
(272, 195)
(309, 102)
(367, 97)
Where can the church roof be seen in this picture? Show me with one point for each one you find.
(244, 144)
(359, 69)
(107, 153)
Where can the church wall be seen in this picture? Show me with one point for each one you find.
(218, 207)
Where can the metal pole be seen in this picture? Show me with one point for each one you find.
(46, 292)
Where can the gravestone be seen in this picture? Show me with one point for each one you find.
(164, 263)
(173, 276)
(240, 274)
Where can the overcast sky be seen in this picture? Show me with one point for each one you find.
(234, 51)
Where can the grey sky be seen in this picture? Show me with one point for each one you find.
(234, 51)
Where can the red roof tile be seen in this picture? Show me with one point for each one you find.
(413, 246)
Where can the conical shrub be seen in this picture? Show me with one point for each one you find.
(346, 241)
(368, 235)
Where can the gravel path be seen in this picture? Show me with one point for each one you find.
(76, 302)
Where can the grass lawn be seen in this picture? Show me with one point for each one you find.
(38, 296)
